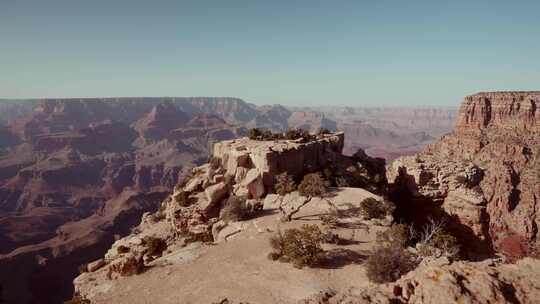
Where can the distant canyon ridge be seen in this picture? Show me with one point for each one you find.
(77, 173)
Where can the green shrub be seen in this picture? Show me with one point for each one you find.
(302, 247)
(255, 134)
(387, 264)
(284, 184)
(154, 246)
(398, 235)
(234, 209)
(313, 185)
(373, 209)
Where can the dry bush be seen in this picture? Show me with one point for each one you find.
(331, 219)
(398, 235)
(387, 264)
(255, 134)
(373, 209)
(284, 184)
(234, 209)
(436, 241)
(313, 185)
(301, 247)
(154, 246)
(294, 134)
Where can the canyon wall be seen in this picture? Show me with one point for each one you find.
(496, 144)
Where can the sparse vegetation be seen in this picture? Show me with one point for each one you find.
(301, 247)
(294, 134)
(398, 235)
(323, 131)
(436, 241)
(284, 184)
(291, 134)
(371, 208)
(154, 246)
(234, 209)
(331, 219)
(313, 185)
(387, 264)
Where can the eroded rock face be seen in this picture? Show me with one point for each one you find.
(268, 158)
(461, 282)
(497, 134)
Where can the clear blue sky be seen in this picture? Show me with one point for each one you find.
(291, 52)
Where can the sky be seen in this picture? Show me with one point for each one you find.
(353, 53)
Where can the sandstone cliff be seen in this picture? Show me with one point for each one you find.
(486, 172)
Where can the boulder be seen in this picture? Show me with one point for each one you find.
(95, 265)
(216, 193)
(128, 264)
(254, 183)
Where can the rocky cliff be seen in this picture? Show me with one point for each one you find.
(486, 173)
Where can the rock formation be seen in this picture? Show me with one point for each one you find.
(193, 214)
(439, 281)
(486, 172)
(76, 172)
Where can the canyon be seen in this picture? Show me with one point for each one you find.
(77, 174)
(480, 182)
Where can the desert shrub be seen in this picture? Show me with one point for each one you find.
(323, 131)
(267, 135)
(122, 249)
(398, 235)
(373, 209)
(255, 134)
(302, 247)
(331, 219)
(330, 238)
(234, 209)
(284, 184)
(387, 264)
(435, 240)
(215, 162)
(78, 300)
(293, 134)
(154, 246)
(313, 185)
(182, 198)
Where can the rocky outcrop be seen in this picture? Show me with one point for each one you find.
(438, 281)
(495, 152)
(253, 162)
